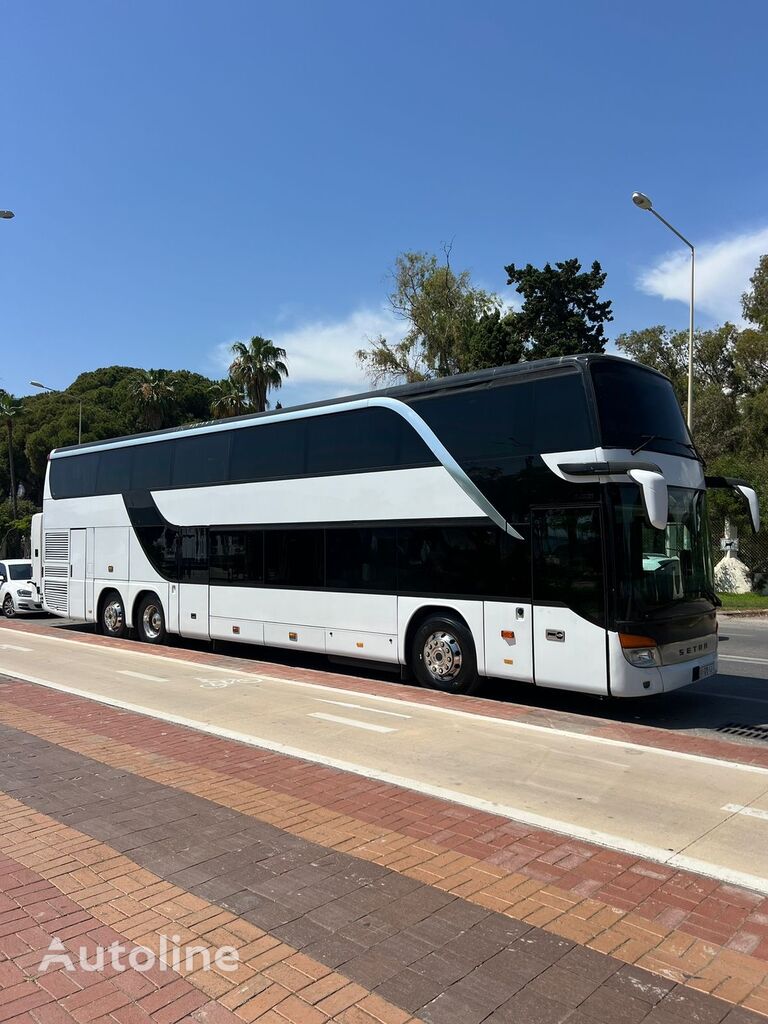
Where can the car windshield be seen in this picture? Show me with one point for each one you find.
(22, 571)
(658, 569)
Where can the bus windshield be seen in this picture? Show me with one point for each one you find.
(639, 409)
(657, 569)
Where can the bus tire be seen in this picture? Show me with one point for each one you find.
(112, 615)
(150, 620)
(443, 656)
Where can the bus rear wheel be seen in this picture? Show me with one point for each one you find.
(443, 656)
(150, 620)
(112, 615)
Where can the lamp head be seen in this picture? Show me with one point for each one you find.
(7, 214)
(642, 200)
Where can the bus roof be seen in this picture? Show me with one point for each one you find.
(538, 367)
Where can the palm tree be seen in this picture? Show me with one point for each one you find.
(227, 399)
(258, 368)
(154, 393)
(8, 409)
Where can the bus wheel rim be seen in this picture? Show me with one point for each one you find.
(113, 616)
(152, 621)
(442, 655)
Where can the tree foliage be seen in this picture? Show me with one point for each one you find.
(440, 309)
(453, 326)
(258, 367)
(562, 313)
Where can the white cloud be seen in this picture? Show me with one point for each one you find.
(321, 353)
(723, 270)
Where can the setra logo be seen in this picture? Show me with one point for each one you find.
(694, 649)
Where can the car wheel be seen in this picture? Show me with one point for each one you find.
(150, 620)
(8, 609)
(443, 656)
(112, 615)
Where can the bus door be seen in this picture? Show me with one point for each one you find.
(77, 559)
(569, 636)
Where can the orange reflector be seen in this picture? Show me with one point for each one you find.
(629, 641)
(507, 634)
(509, 661)
(293, 636)
(359, 644)
(235, 629)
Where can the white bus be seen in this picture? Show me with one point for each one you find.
(544, 523)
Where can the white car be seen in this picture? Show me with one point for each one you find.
(17, 592)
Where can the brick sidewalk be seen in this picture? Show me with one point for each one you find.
(348, 899)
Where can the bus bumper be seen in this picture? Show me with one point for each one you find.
(629, 681)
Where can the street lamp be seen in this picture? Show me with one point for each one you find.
(644, 203)
(43, 387)
(7, 214)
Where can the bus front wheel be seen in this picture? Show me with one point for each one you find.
(150, 620)
(443, 656)
(112, 615)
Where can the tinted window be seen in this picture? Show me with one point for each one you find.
(160, 544)
(73, 476)
(113, 475)
(20, 572)
(294, 558)
(363, 439)
(362, 558)
(152, 465)
(237, 556)
(450, 560)
(509, 420)
(271, 450)
(202, 459)
(636, 406)
(193, 554)
(568, 560)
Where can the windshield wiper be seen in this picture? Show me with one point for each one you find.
(649, 438)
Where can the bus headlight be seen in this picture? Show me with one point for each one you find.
(640, 651)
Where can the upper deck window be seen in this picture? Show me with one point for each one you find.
(639, 408)
(548, 414)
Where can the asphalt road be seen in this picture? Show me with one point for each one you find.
(733, 704)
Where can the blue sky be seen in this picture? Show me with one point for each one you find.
(185, 174)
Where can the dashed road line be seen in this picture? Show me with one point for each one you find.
(354, 722)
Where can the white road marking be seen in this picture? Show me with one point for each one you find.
(750, 812)
(13, 647)
(743, 657)
(141, 675)
(216, 684)
(351, 721)
(360, 707)
(656, 853)
(625, 746)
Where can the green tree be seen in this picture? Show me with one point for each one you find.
(562, 313)
(441, 310)
(258, 367)
(227, 399)
(754, 302)
(494, 341)
(154, 393)
(8, 410)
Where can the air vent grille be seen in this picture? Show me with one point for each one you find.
(56, 595)
(57, 546)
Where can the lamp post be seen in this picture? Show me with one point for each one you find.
(43, 387)
(644, 203)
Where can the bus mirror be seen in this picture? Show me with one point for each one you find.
(743, 488)
(653, 488)
(749, 494)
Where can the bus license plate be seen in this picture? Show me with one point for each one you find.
(705, 671)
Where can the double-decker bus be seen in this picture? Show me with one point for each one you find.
(544, 522)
